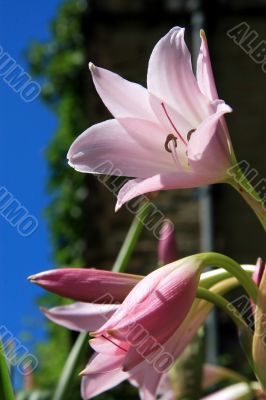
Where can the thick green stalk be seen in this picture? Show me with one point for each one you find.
(235, 269)
(72, 362)
(252, 196)
(131, 239)
(245, 333)
(225, 305)
(210, 278)
(6, 390)
(65, 382)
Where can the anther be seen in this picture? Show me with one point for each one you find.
(189, 134)
(173, 125)
(170, 138)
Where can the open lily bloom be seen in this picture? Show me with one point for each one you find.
(170, 135)
(167, 247)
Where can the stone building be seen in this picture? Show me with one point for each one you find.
(121, 36)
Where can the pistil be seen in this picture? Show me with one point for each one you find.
(172, 124)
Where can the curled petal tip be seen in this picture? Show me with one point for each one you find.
(202, 34)
(83, 372)
(32, 278)
(91, 66)
(118, 206)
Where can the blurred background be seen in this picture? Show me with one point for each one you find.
(77, 226)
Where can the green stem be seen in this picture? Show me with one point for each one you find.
(233, 268)
(245, 333)
(6, 390)
(249, 194)
(73, 360)
(210, 278)
(65, 382)
(225, 305)
(131, 239)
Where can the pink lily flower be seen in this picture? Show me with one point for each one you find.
(259, 342)
(170, 135)
(105, 369)
(87, 284)
(258, 273)
(167, 248)
(157, 297)
(256, 277)
(147, 376)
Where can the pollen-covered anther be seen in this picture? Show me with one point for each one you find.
(189, 134)
(169, 139)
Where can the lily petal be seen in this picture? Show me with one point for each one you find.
(208, 147)
(167, 248)
(146, 304)
(133, 148)
(102, 363)
(94, 384)
(166, 181)
(87, 284)
(205, 77)
(170, 77)
(123, 98)
(147, 379)
(81, 316)
(103, 346)
(238, 391)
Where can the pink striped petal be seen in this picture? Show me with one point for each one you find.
(103, 363)
(258, 273)
(87, 284)
(130, 147)
(106, 345)
(147, 379)
(171, 79)
(209, 147)
(81, 316)
(146, 304)
(167, 248)
(166, 181)
(94, 384)
(205, 77)
(124, 99)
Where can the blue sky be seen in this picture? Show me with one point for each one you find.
(25, 131)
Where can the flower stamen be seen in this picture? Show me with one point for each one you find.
(169, 139)
(190, 133)
(172, 124)
(170, 146)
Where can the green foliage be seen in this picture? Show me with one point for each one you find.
(61, 62)
(61, 65)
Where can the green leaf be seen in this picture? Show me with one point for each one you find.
(67, 377)
(65, 382)
(6, 390)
